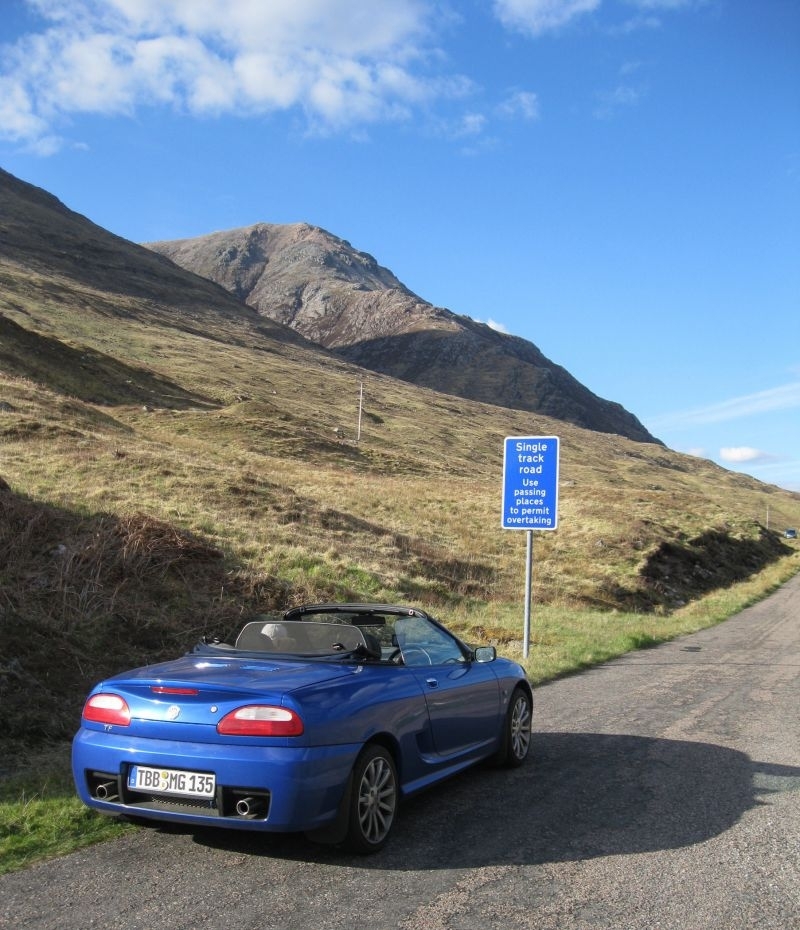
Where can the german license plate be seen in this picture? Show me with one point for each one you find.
(171, 781)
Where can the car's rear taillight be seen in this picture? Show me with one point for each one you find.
(107, 708)
(260, 720)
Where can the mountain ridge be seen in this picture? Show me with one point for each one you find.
(341, 298)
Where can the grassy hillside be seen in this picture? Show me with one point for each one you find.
(174, 465)
(126, 532)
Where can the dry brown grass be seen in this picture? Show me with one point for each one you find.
(128, 532)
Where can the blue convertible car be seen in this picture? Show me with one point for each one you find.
(317, 720)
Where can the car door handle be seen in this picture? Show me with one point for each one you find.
(432, 682)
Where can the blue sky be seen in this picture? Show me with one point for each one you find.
(617, 181)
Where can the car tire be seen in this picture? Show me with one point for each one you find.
(373, 800)
(516, 736)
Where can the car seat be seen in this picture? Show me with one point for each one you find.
(372, 644)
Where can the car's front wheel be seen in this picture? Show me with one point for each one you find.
(373, 800)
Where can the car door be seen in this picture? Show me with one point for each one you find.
(462, 696)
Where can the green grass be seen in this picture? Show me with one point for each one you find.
(41, 817)
(564, 640)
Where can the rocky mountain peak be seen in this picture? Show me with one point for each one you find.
(339, 297)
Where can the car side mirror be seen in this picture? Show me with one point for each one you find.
(484, 654)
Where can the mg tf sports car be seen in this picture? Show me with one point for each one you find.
(318, 720)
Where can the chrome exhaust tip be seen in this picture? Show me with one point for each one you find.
(107, 791)
(250, 808)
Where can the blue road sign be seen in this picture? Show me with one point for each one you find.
(530, 483)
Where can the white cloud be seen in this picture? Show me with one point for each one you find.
(786, 397)
(744, 454)
(663, 4)
(472, 124)
(630, 67)
(636, 23)
(342, 62)
(535, 17)
(493, 324)
(17, 115)
(625, 95)
(522, 103)
(468, 126)
(622, 97)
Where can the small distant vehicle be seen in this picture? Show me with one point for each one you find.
(790, 534)
(319, 720)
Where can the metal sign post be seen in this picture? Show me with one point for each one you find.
(526, 629)
(530, 498)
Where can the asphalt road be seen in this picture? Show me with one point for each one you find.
(663, 794)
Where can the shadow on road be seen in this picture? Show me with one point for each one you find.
(580, 796)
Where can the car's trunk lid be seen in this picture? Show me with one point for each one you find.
(199, 689)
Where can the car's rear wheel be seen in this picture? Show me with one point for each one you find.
(373, 800)
(516, 740)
